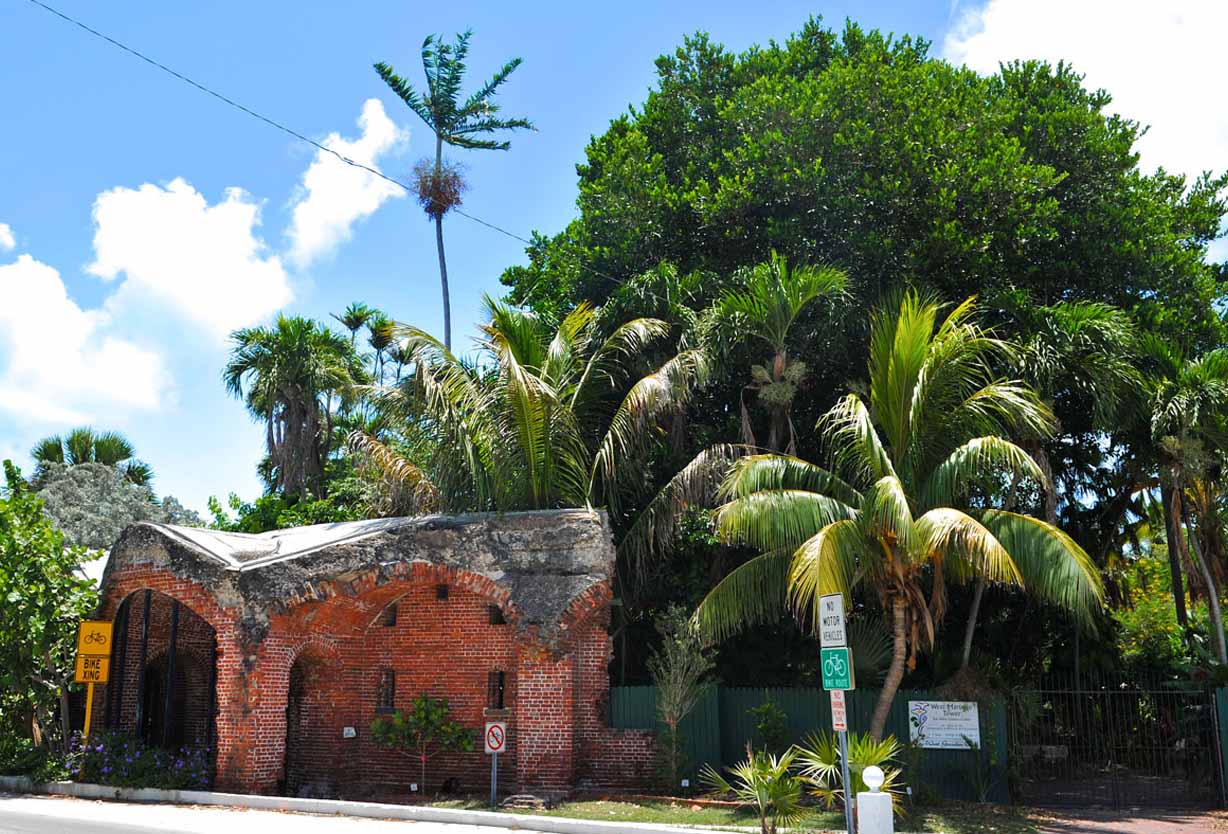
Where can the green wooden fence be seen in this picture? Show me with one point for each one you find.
(717, 731)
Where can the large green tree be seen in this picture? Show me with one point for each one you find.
(44, 598)
(907, 504)
(288, 375)
(466, 123)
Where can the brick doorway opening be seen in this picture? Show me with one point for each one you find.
(163, 673)
(311, 749)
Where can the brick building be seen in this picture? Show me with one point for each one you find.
(277, 651)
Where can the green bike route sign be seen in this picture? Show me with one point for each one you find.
(837, 665)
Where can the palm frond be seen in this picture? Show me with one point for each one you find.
(751, 594)
(827, 563)
(982, 461)
(965, 547)
(853, 441)
(778, 519)
(755, 473)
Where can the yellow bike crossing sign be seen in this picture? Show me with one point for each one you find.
(93, 660)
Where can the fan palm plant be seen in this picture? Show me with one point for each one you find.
(766, 781)
(85, 445)
(771, 297)
(546, 417)
(456, 122)
(901, 510)
(286, 375)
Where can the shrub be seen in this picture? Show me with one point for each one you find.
(425, 731)
(770, 726)
(679, 667)
(21, 757)
(765, 781)
(127, 762)
(819, 757)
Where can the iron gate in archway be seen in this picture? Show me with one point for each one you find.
(1116, 745)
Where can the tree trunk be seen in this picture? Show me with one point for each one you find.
(970, 628)
(1041, 456)
(895, 673)
(65, 720)
(1171, 499)
(1217, 621)
(443, 264)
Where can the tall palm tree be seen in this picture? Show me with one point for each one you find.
(898, 511)
(379, 337)
(764, 307)
(355, 318)
(456, 122)
(85, 445)
(286, 375)
(1189, 399)
(1080, 357)
(546, 417)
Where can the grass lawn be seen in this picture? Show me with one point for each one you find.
(954, 818)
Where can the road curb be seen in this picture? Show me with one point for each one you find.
(336, 807)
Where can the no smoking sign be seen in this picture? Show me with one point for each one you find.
(496, 737)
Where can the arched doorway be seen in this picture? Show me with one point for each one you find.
(162, 686)
(310, 755)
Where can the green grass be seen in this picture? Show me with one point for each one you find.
(953, 818)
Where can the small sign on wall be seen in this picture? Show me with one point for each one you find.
(944, 725)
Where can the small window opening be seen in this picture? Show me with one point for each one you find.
(385, 696)
(389, 617)
(494, 690)
(496, 615)
(441, 592)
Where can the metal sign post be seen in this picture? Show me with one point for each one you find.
(836, 662)
(496, 743)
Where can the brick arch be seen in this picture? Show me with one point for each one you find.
(372, 590)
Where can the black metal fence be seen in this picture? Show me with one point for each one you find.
(1116, 744)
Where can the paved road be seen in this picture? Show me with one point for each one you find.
(58, 815)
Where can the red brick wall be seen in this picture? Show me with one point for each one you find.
(333, 649)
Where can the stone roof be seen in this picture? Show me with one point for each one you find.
(544, 560)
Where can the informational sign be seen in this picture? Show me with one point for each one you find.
(496, 737)
(831, 621)
(837, 667)
(92, 669)
(944, 725)
(839, 715)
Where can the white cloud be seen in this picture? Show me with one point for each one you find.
(58, 362)
(1161, 62)
(334, 195)
(203, 261)
(7, 241)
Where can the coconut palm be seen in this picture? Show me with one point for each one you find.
(1080, 357)
(900, 511)
(1188, 399)
(764, 307)
(287, 375)
(546, 417)
(456, 122)
(85, 445)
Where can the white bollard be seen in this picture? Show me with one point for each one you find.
(874, 814)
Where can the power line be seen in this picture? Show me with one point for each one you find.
(275, 124)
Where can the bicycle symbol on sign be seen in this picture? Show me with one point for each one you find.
(95, 637)
(835, 667)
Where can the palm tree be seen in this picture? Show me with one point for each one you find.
(771, 296)
(456, 122)
(287, 375)
(898, 511)
(355, 318)
(379, 337)
(1189, 398)
(1080, 358)
(85, 445)
(546, 417)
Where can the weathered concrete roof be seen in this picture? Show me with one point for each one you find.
(543, 559)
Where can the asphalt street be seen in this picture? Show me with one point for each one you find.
(58, 815)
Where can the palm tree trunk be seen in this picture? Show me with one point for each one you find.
(1041, 456)
(970, 628)
(1171, 500)
(443, 264)
(895, 673)
(1217, 620)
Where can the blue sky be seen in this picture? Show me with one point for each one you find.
(141, 220)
